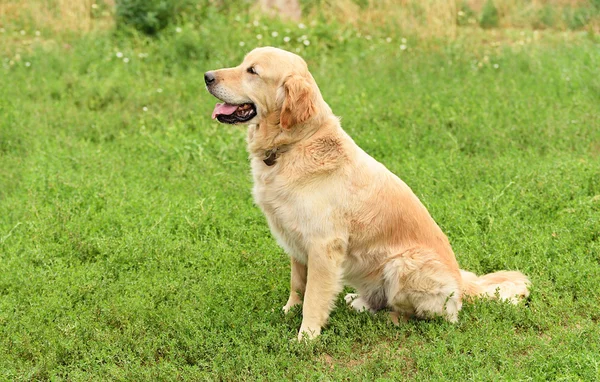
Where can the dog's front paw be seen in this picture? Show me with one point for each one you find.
(292, 301)
(307, 333)
(287, 307)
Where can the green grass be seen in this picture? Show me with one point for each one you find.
(130, 248)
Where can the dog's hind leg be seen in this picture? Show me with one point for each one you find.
(418, 283)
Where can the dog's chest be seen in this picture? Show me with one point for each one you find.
(297, 213)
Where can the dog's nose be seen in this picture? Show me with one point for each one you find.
(209, 78)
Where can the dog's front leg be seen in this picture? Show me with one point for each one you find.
(322, 286)
(297, 284)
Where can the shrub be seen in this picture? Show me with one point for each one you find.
(546, 17)
(149, 16)
(489, 15)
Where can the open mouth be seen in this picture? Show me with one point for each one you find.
(232, 114)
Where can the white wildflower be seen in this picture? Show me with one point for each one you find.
(255, 23)
(274, 34)
(159, 90)
(28, 64)
(178, 30)
(496, 66)
(119, 54)
(389, 39)
(22, 33)
(126, 60)
(94, 6)
(242, 43)
(306, 42)
(403, 40)
(259, 36)
(145, 108)
(301, 26)
(37, 33)
(402, 47)
(286, 39)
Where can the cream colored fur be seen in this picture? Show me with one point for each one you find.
(342, 216)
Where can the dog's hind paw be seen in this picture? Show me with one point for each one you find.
(357, 303)
(351, 297)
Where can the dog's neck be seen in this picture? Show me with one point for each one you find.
(268, 136)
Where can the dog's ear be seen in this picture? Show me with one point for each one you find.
(298, 104)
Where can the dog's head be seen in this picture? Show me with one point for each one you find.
(270, 83)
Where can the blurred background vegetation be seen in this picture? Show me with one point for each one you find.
(438, 18)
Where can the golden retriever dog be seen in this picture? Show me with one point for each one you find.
(343, 217)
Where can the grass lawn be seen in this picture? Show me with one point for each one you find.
(130, 248)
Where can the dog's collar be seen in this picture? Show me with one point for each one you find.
(272, 155)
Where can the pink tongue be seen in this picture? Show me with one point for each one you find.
(223, 108)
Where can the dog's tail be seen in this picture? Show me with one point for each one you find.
(506, 285)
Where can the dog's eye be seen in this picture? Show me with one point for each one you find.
(251, 70)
